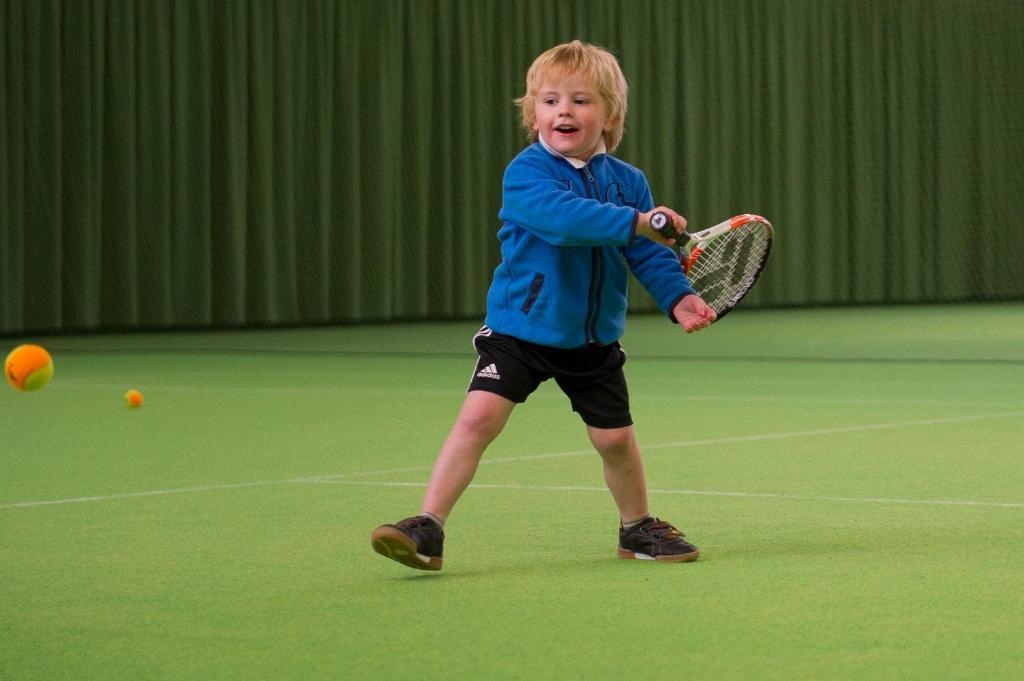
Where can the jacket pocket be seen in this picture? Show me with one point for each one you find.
(535, 286)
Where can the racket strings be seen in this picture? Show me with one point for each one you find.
(727, 266)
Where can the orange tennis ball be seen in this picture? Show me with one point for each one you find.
(28, 367)
(132, 399)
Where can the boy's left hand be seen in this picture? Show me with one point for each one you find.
(693, 314)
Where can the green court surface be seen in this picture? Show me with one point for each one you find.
(853, 477)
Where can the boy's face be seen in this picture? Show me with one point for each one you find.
(571, 116)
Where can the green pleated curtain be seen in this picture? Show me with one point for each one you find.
(216, 163)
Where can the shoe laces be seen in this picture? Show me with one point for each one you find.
(660, 528)
(414, 521)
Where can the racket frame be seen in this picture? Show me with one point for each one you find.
(688, 257)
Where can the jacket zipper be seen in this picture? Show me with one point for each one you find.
(596, 270)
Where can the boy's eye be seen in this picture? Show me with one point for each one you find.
(583, 101)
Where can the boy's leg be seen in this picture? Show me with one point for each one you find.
(504, 376)
(506, 373)
(481, 419)
(623, 470)
(419, 541)
(640, 535)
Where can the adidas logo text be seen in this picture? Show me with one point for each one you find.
(489, 371)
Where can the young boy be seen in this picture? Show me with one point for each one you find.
(573, 219)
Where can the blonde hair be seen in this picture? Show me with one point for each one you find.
(594, 64)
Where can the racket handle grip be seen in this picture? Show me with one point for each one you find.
(662, 224)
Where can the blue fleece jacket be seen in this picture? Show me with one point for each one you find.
(567, 237)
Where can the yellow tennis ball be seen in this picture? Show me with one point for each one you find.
(132, 399)
(28, 367)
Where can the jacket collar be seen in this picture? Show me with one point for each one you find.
(573, 161)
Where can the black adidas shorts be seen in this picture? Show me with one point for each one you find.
(591, 376)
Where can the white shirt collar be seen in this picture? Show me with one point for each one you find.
(575, 162)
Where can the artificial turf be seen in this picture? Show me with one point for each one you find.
(852, 478)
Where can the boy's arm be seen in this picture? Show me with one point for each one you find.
(541, 203)
(657, 268)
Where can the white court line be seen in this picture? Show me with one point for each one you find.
(69, 384)
(150, 493)
(698, 443)
(692, 492)
(514, 459)
(419, 393)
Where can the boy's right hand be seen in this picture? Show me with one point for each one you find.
(643, 225)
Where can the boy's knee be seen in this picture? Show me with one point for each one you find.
(481, 423)
(612, 440)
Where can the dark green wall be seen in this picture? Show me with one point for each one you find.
(229, 162)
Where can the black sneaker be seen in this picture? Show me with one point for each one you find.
(417, 542)
(654, 539)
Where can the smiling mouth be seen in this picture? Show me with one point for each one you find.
(566, 129)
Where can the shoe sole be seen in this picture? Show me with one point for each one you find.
(392, 543)
(677, 558)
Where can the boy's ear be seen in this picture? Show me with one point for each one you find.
(612, 123)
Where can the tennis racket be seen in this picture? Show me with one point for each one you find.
(722, 262)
